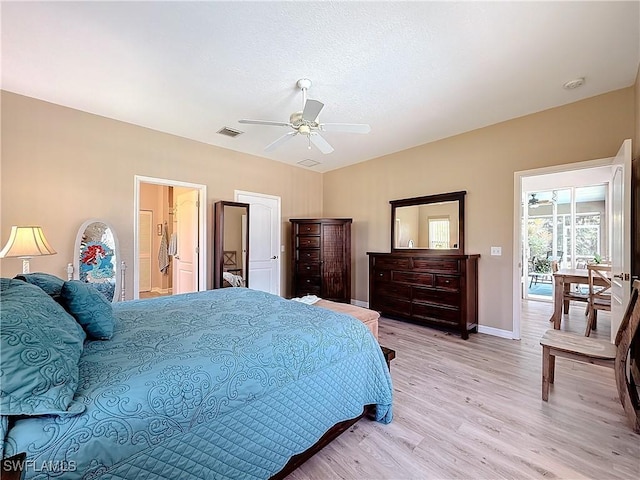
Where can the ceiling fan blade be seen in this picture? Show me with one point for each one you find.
(280, 141)
(345, 127)
(311, 110)
(266, 122)
(320, 142)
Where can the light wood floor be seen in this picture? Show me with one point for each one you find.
(473, 409)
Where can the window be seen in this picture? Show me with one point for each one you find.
(439, 232)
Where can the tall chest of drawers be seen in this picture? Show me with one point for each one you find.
(321, 258)
(434, 290)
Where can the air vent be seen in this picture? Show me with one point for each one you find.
(308, 163)
(229, 132)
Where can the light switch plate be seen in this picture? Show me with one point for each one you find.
(496, 251)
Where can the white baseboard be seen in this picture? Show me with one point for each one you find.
(359, 303)
(496, 332)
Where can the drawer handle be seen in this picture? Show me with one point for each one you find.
(308, 281)
(308, 268)
(380, 274)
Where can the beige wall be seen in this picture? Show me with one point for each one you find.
(61, 166)
(483, 163)
(636, 89)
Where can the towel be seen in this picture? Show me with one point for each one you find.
(163, 252)
(173, 244)
(233, 280)
(308, 299)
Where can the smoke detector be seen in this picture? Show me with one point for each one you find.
(573, 84)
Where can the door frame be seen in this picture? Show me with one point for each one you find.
(202, 230)
(278, 199)
(518, 178)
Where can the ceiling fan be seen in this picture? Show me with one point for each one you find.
(535, 202)
(306, 123)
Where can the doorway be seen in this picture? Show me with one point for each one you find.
(169, 237)
(548, 231)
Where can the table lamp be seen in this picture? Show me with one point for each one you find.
(24, 243)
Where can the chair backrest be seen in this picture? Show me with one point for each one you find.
(229, 259)
(626, 365)
(602, 273)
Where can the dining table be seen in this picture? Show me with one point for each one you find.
(563, 279)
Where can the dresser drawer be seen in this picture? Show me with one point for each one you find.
(308, 268)
(308, 229)
(438, 264)
(308, 242)
(392, 290)
(393, 306)
(440, 297)
(382, 275)
(303, 290)
(448, 282)
(412, 277)
(309, 255)
(391, 263)
(435, 313)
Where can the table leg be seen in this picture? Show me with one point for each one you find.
(566, 286)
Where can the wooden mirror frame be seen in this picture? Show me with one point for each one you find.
(429, 199)
(218, 243)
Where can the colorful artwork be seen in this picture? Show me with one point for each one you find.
(96, 262)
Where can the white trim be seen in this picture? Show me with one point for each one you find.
(517, 227)
(278, 199)
(359, 303)
(496, 332)
(202, 231)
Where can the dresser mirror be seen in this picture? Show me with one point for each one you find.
(433, 224)
(231, 244)
(96, 258)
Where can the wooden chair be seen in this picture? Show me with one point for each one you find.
(557, 343)
(599, 296)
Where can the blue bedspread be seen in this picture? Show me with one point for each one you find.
(227, 383)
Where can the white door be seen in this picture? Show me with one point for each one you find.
(185, 267)
(264, 241)
(620, 235)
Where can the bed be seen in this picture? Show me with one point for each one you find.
(228, 383)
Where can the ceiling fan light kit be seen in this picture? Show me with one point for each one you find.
(306, 123)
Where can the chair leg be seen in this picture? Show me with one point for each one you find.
(594, 324)
(590, 321)
(546, 372)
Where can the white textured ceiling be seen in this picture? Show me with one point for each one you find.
(415, 71)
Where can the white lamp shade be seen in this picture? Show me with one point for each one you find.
(26, 242)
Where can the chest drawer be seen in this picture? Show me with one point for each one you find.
(308, 268)
(392, 306)
(412, 277)
(308, 242)
(429, 295)
(447, 282)
(436, 264)
(309, 255)
(386, 289)
(391, 263)
(436, 313)
(308, 229)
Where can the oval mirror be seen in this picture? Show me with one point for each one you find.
(96, 258)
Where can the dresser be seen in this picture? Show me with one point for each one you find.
(433, 290)
(321, 258)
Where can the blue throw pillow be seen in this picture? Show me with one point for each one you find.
(47, 282)
(89, 307)
(40, 346)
